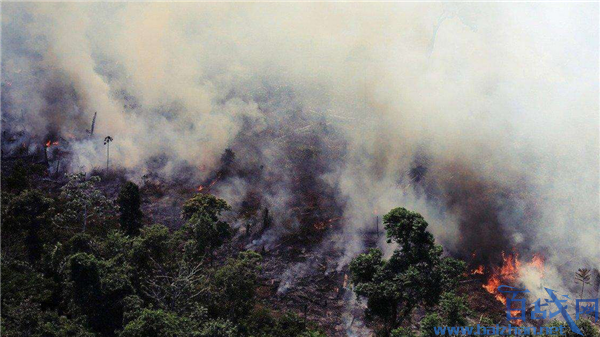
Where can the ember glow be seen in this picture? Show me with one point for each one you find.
(50, 143)
(322, 225)
(478, 271)
(201, 188)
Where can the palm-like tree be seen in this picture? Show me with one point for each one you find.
(583, 276)
(107, 141)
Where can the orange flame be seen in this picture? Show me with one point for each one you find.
(50, 143)
(537, 262)
(509, 272)
(492, 287)
(478, 271)
(516, 313)
(214, 182)
(200, 188)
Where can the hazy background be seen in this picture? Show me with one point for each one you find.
(483, 117)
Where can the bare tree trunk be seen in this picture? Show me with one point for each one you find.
(93, 124)
(107, 155)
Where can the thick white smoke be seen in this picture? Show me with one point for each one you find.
(496, 103)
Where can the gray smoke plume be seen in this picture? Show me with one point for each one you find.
(482, 117)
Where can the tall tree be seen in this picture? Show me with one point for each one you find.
(204, 205)
(130, 215)
(234, 285)
(25, 220)
(204, 229)
(267, 220)
(107, 141)
(583, 276)
(411, 277)
(82, 202)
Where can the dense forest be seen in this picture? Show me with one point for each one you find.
(76, 263)
(79, 262)
(301, 169)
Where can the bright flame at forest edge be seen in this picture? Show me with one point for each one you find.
(509, 273)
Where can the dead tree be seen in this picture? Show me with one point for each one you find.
(174, 288)
(46, 146)
(267, 220)
(248, 227)
(107, 141)
(91, 130)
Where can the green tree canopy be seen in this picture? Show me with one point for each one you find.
(25, 219)
(413, 276)
(233, 287)
(203, 229)
(82, 204)
(130, 215)
(155, 323)
(205, 205)
(428, 324)
(454, 309)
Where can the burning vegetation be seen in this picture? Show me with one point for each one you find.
(50, 143)
(300, 282)
(509, 273)
(298, 289)
(300, 185)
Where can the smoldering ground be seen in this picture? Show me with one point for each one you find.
(482, 117)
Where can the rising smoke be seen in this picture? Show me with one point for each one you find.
(482, 117)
